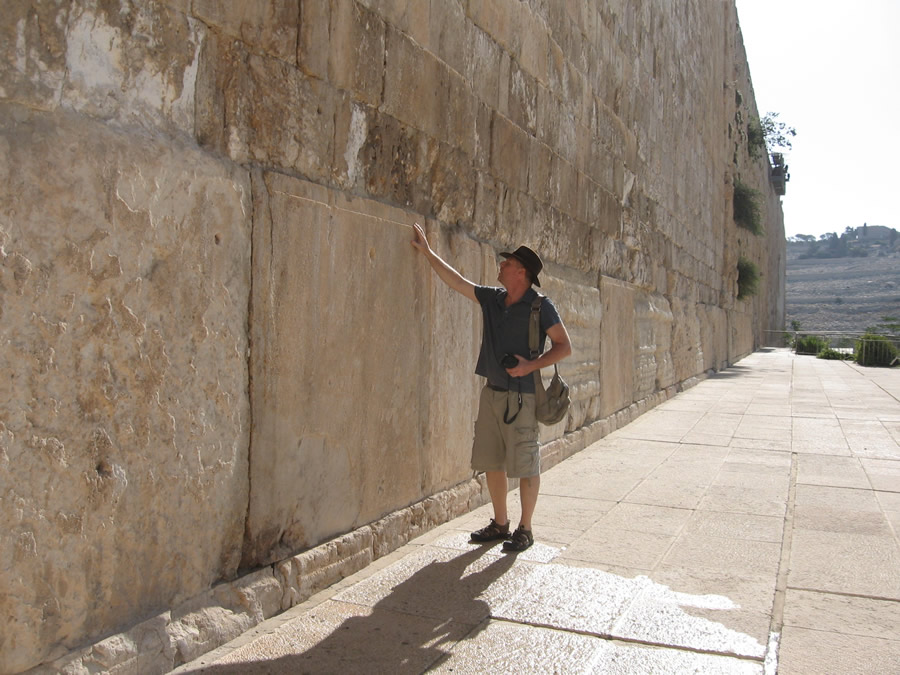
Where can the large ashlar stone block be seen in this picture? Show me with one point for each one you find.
(124, 285)
(84, 56)
(653, 368)
(485, 59)
(33, 53)
(242, 113)
(714, 337)
(268, 27)
(416, 85)
(740, 334)
(363, 385)
(519, 31)
(356, 50)
(617, 345)
(509, 157)
(687, 347)
(405, 166)
(581, 311)
(107, 77)
(412, 17)
(451, 35)
(453, 339)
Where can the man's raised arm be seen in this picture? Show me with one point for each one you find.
(447, 274)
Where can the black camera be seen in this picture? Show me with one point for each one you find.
(509, 361)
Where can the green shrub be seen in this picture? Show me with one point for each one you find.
(756, 139)
(810, 344)
(746, 208)
(830, 354)
(875, 350)
(748, 278)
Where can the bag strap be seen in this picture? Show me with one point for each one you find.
(534, 332)
(534, 326)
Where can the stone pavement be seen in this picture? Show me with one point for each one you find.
(747, 525)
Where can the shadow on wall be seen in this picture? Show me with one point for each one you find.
(403, 633)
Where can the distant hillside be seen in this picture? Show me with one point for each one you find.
(844, 294)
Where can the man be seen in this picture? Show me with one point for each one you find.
(506, 431)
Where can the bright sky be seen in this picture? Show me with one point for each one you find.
(831, 68)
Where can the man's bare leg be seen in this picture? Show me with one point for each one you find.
(528, 492)
(497, 487)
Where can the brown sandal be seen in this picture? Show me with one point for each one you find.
(492, 532)
(520, 540)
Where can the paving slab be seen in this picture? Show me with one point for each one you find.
(747, 525)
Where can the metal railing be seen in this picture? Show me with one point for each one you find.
(866, 346)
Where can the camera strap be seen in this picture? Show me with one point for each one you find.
(506, 418)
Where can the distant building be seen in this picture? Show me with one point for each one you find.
(873, 233)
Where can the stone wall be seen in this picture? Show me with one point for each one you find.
(220, 350)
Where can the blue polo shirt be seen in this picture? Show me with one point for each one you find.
(506, 332)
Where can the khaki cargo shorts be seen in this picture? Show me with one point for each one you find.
(499, 446)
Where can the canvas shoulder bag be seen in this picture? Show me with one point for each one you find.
(550, 404)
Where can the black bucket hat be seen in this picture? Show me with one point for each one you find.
(530, 260)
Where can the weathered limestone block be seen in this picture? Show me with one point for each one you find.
(687, 348)
(342, 438)
(407, 167)
(466, 123)
(222, 614)
(303, 575)
(741, 334)
(124, 282)
(509, 157)
(85, 56)
(409, 16)
(484, 69)
(146, 648)
(713, 337)
(393, 160)
(653, 331)
(580, 310)
(616, 345)
(242, 114)
(356, 50)
(416, 85)
(522, 99)
(514, 26)
(450, 36)
(33, 39)
(315, 19)
(110, 77)
(451, 351)
(267, 27)
(452, 182)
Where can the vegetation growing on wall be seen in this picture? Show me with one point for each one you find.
(748, 278)
(767, 135)
(746, 208)
(756, 140)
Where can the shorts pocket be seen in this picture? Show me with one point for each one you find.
(527, 460)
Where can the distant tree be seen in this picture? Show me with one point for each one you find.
(805, 237)
(837, 246)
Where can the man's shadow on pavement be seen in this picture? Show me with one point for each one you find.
(407, 631)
